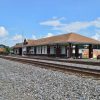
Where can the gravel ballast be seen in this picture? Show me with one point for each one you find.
(27, 82)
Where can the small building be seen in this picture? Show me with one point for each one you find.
(17, 49)
(3, 49)
(66, 45)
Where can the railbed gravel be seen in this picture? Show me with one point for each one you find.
(29, 82)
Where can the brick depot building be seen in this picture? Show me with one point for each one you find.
(66, 45)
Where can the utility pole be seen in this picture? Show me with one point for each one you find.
(22, 43)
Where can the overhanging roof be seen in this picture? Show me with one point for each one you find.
(65, 38)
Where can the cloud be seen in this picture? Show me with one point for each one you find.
(18, 38)
(3, 31)
(72, 27)
(58, 25)
(97, 35)
(96, 22)
(49, 35)
(55, 22)
(34, 37)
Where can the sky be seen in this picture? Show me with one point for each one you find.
(34, 19)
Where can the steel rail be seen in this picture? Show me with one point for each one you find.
(65, 60)
(92, 72)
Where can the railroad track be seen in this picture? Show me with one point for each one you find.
(79, 61)
(58, 65)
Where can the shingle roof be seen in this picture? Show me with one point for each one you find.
(31, 42)
(65, 38)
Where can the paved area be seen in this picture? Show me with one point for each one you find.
(65, 63)
(58, 58)
(64, 58)
(26, 82)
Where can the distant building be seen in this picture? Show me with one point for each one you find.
(2, 49)
(66, 45)
(17, 49)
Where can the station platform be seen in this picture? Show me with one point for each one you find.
(62, 63)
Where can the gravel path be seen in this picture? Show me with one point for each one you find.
(25, 82)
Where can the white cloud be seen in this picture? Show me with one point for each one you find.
(55, 22)
(97, 35)
(3, 31)
(18, 38)
(71, 27)
(34, 37)
(49, 35)
(96, 22)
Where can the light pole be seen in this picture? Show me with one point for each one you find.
(22, 43)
